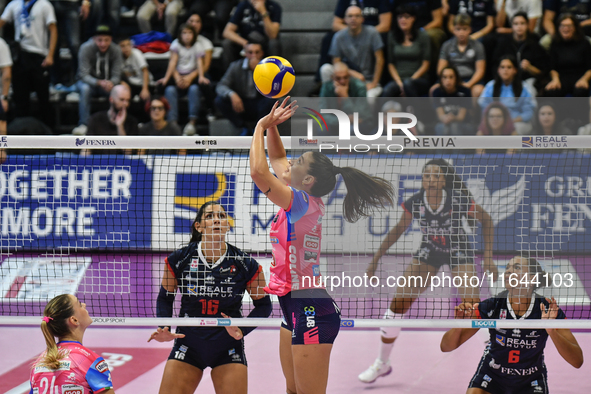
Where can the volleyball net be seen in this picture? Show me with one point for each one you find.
(100, 226)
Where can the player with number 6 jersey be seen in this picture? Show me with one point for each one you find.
(211, 276)
(513, 361)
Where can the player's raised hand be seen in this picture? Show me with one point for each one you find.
(552, 311)
(279, 113)
(164, 335)
(465, 310)
(233, 331)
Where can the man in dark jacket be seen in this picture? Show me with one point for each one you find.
(99, 69)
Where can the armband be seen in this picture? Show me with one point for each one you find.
(262, 308)
(164, 303)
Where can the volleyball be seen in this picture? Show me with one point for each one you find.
(274, 77)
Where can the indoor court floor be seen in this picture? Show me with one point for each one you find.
(418, 364)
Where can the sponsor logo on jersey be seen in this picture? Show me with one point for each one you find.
(35, 390)
(102, 366)
(310, 313)
(484, 384)
(487, 378)
(183, 348)
(274, 240)
(519, 371)
(311, 337)
(522, 343)
(195, 264)
(192, 289)
(501, 340)
(311, 242)
(503, 314)
(231, 351)
(64, 366)
(532, 334)
(304, 196)
(310, 257)
(228, 270)
(72, 389)
(493, 365)
(316, 270)
(516, 332)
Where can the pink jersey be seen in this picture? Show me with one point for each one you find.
(81, 372)
(296, 235)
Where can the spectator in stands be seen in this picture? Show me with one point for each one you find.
(451, 102)
(343, 85)
(466, 54)
(506, 9)
(496, 120)
(221, 9)
(547, 123)
(482, 15)
(169, 10)
(252, 21)
(6, 68)
(408, 56)
(361, 48)
(205, 46)
(376, 13)
(115, 120)
(237, 98)
(99, 69)
(157, 108)
(533, 60)
(580, 9)
(185, 67)
(35, 31)
(570, 60)
(428, 17)
(68, 14)
(511, 91)
(135, 72)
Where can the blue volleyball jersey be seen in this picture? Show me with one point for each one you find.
(442, 228)
(515, 353)
(208, 289)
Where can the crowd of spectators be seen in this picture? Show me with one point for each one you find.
(503, 54)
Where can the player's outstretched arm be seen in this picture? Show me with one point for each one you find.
(488, 234)
(393, 236)
(563, 339)
(164, 304)
(279, 193)
(455, 337)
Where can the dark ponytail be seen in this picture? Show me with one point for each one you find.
(452, 180)
(196, 235)
(364, 192)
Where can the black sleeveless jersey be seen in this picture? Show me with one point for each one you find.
(209, 289)
(515, 352)
(442, 229)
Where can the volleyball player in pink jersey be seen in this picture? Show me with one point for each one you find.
(311, 319)
(68, 366)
